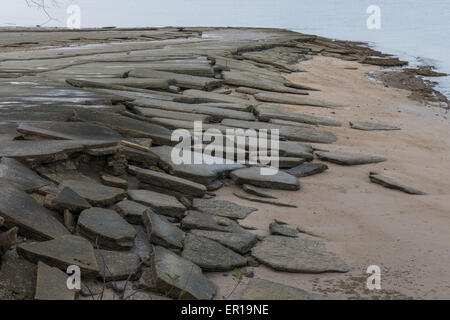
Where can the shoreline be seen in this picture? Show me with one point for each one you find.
(360, 221)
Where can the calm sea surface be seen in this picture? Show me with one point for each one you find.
(416, 30)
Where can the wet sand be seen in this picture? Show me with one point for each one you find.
(365, 223)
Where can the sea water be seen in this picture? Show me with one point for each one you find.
(415, 30)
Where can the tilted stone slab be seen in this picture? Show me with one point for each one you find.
(215, 113)
(267, 112)
(131, 211)
(278, 229)
(167, 266)
(69, 199)
(300, 255)
(167, 181)
(135, 155)
(162, 232)
(117, 265)
(239, 242)
(61, 253)
(51, 284)
(253, 176)
(161, 113)
(203, 173)
(392, 184)
(182, 80)
(223, 208)
(285, 98)
(257, 191)
(259, 289)
(227, 105)
(198, 96)
(308, 169)
(69, 131)
(211, 255)
(106, 228)
(160, 203)
(21, 210)
(127, 126)
(288, 132)
(20, 176)
(95, 193)
(117, 83)
(205, 221)
(348, 158)
(371, 126)
(17, 277)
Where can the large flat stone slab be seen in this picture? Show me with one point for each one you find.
(288, 132)
(267, 112)
(160, 203)
(190, 282)
(348, 158)
(253, 176)
(95, 193)
(161, 113)
(162, 232)
(371, 126)
(131, 211)
(106, 228)
(69, 131)
(259, 289)
(203, 173)
(393, 184)
(223, 208)
(308, 169)
(20, 176)
(17, 277)
(285, 98)
(211, 255)
(61, 253)
(51, 284)
(301, 255)
(239, 242)
(168, 181)
(198, 96)
(205, 221)
(116, 265)
(21, 210)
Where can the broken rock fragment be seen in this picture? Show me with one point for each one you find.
(348, 158)
(160, 203)
(51, 284)
(223, 208)
(392, 184)
(162, 232)
(254, 176)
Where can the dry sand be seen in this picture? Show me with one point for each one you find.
(407, 236)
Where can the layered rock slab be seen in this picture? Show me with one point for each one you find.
(253, 176)
(239, 242)
(160, 203)
(162, 232)
(96, 194)
(20, 176)
(300, 255)
(348, 158)
(223, 208)
(51, 284)
(259, 289)
(116, 265)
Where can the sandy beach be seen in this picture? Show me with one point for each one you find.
(407, 236)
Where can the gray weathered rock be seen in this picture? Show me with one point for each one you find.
(116, 265)
(223, 208)
(61, 253)
(282, 230)
(131, 211)
(176, 277)
(161, 232)
(69, 199)
(202, 173)
(158, 202)
(253, 176)
(21, 210)
(294, 99)
(198, 96)
(161, 113)
(205, 221)
(308, 169)
(259, 289)
(211, 255)
(303, 255)
(17, 277)
(51, 284)
(289, 162)
(96, 194)
(20, 176)
(272, 202)
(371, 126)
(288, 132)
(257, 191)
(167, 181)
(106, 228)
(348, 158)
(239, 242)
(392, 184)
(112, 181)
